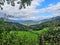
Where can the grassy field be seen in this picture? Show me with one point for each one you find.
(26, 38)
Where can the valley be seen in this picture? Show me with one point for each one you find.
(19, 34)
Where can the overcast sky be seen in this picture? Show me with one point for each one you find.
(39, 9)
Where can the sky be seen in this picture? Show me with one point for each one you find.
(38, 10)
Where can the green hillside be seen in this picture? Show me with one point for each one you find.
(4, 25)
(45, 33)
(52, 22)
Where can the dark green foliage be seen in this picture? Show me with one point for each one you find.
(8, 26)
(17, 38)
(22, 3)
(51, 36)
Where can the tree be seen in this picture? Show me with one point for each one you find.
(22, 3)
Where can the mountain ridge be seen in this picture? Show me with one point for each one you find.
(55, 21)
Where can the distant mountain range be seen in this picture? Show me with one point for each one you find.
(25, 22)
(35, 25)
(32, 22)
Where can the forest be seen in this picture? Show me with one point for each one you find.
(45, 33)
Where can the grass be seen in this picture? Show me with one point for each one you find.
(31, 39)
(27, 38)
(21, 37)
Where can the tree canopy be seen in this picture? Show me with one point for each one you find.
(22, 3)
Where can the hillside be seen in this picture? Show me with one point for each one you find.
(55, 21)
(24, 22)
(17, 33)
(4, 25)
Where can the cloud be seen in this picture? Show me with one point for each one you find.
(51, 8)
(28, 13)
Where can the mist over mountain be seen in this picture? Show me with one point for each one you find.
(31, 22)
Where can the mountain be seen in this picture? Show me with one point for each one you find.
(28, 22)
(24, 22)
(4, 25)
(55, 21)
(36, 25)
